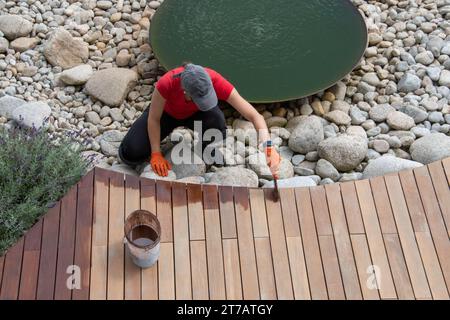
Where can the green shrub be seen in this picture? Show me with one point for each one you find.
(35, 171)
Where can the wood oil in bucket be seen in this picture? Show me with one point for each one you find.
(142, 237)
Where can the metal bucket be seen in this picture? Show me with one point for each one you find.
(142, 237)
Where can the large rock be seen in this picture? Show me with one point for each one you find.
(193, 179)
(148, 173)
(387, 164)
(110, 141)
(435, 45)
(307, 135)
(8, 104)
(245, 132)
(305, 168)
(94, 159)
(356, 131)
(399, 121)
(371, 78)
(65, 51)
(243, 125)
(351, 176)
(339, 90)
(345, 152)
(380, 112)
(234, 176)
(425, 58)
(276, 122)
(444, 79)
(14, 26)
(293, 123)
(341, 106)
(77, 75)
(338, 117)
(409, 83)
(294, 182)
(416, 113)
(185, 163)
(4, 45)
(257, 162)
(23, 44)
(326, 170)
(32, 114)
(430, 148)
(111, 86)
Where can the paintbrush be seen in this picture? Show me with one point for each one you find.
(276, 195)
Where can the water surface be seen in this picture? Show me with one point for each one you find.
(271, 50)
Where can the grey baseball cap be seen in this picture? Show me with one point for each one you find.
(197, 84)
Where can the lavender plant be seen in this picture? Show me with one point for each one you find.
(35, 171)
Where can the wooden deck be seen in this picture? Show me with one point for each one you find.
(237, 243)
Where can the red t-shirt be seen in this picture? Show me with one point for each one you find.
(176, 104)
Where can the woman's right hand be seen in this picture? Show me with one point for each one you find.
(159, 164)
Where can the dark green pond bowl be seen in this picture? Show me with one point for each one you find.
(271, 50)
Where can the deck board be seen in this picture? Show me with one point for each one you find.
(432, 267)
(289, 210)
(196, 217)
(149, 284)
(12, 272)
(83, 237)
(406, 234)
(199, 267)
(383, 206)
(247, 255)
(343, 243)
(116, 252)
(214, 252)
(99, 258)
(227, 213)
(375, 239)
(399, 269)
(166, 272)
(321, 213)
(233, 281)
(441, 187)
(181, 243)
(66, 244)
(363, 262)
(331, 268)
(298, 268)
(266, 275)
(30, 262)
(382, 238)
(281, 266)
(352, 209)
(132, 272)
(311, 249)
(164, 209)
(49, 253)
(333, 277)
(446, 165)
(2, 263)
(412, 197)
(435, 220)
(259, 215)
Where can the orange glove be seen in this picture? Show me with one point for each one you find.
(273, 160)
(159, 164)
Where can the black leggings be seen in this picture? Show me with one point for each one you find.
(135, 147)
